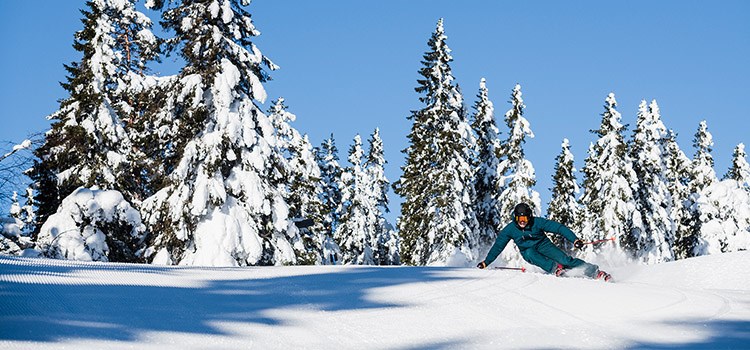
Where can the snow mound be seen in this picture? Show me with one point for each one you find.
(87, 222)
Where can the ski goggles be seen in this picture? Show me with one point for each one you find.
(523, 219)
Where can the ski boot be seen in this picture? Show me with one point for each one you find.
(603, 275)
(560, 271)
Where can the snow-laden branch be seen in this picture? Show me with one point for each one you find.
(23, 145)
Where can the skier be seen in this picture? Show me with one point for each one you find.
(527, 232)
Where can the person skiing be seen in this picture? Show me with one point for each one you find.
(527, 232)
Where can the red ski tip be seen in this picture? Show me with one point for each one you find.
(523, 269)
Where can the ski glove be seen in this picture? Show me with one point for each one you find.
(578, 244)
(481, 265)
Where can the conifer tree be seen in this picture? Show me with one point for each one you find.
(437, 222)
(655, 237)
(725, 218)
(14, 235)
(678, 175)
(607, 184)
(88, 144)
(563, 207)
(222, 203)
(330, 172)
(703, 162)
(305, 189)
(723, 208)
(516, 172)
(354, 233)
(487, 183)
(24, 215)
(740, 169)
(702, 175)
(299, 174)
(384, 239)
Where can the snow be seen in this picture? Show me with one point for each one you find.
(26, 144)
(700, 302)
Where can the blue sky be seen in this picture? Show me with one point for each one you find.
(348, 67)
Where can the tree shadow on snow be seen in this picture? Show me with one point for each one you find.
(724, 334)
(48, 312)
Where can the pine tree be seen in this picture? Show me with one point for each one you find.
(655, 238)
(330, 172)
(607, 198)
(223, 203)
(740, 169)
(563, 207)
(384, 239)
(702, 176)
(437, 222)
(88, 144)
(354, 233)
(678, 177)
(487, 183)
(516, 172)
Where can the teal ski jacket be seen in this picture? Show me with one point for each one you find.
(527, 237)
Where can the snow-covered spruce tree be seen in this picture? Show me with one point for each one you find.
(82, 228)
(654, 239)
(563, 207)
(300, 174)
(607, 198)
(437, 222)
(724, 209)
(354, 234)
(385, 239)
(702, 175)
(221, 204)
(330, 172)
(88, 144)
(677, 175)
(516, 173)
(487, 183)
(740, 169)
(720, 215)
(703, 162)
(305, 189)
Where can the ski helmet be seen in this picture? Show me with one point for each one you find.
(522, 211)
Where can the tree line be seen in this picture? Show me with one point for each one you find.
(187, 168)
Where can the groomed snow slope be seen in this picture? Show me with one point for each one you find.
(51, 304)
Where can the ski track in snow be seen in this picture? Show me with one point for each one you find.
(52, 304)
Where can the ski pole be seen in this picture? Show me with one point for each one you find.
(522, 269)
(600, 240)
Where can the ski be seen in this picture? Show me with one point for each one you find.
(522, 269)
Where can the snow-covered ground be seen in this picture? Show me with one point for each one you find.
(51, 304)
